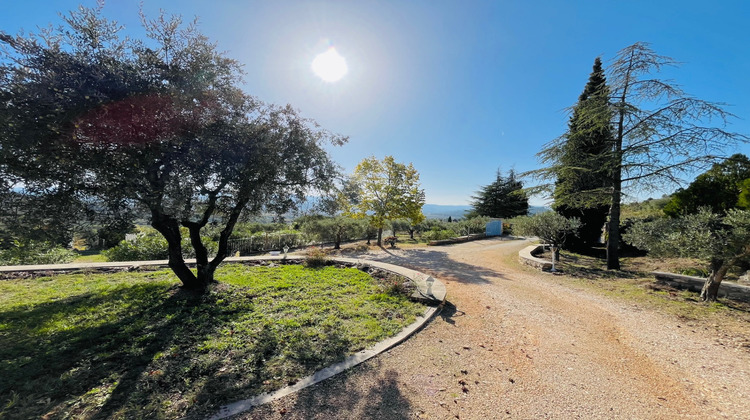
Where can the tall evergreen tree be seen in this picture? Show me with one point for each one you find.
(504, 198)
(660, 135)
(583, 182)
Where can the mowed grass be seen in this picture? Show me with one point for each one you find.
(134, 345)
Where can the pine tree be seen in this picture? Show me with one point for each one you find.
(583, 183)
(503, 198)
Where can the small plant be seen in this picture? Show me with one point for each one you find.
(35, 252)
(316, 258)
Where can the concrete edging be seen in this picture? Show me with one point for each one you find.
(695, 284)
(435, 289)
(526, 256)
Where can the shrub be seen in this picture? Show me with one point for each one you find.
(316, 258)
(437, 234)
(35, 252)
(149, 244)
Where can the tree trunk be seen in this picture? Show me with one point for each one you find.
(613, 225)
(710, 290)
(337, 242)
(411, 234)
(380, 236)
(170, 229)
(613, 230)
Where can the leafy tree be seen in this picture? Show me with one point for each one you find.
(473, 225)
(160, 124)
(387, 190)
(503, 198)
(332, 229)
(660, 134)
(582, 175)
(722, 241)
(550, 227)
(718, 188)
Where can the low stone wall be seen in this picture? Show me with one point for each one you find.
(527, 256)
(695, 284)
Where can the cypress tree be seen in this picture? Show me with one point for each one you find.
(584, 180)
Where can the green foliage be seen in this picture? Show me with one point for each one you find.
(550, 227)
(719, 188)
(651, 208)
(388, 190)
(35, 252)
(473, 225)
(150, 245)
(723, 241)
(503, 198)
(316, 258)
(438, 234)
(91, 113)
(704, 235)
(660, 133)
(133, 345)
(332, 229)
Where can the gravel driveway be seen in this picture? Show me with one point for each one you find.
(514, 343)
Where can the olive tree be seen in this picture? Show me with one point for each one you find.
(550, 227)
(721, 240)
(158, 123)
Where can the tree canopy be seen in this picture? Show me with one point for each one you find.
(721, 240)
(582, 179)
(388, 190)
(550, 227)
(503, 198)
(718, 188)
(158, 123)
(660, 134)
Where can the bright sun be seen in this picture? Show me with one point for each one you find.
(330, 66)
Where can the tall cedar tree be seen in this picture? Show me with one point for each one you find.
(504, 198)
(661, 134)
(583, 177)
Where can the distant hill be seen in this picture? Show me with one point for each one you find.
(439, 211)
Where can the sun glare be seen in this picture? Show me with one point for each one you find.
(330, 66)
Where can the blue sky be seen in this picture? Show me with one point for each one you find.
(458, 88)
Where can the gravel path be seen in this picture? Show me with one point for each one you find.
(514, 343)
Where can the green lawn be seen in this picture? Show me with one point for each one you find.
(134, 345)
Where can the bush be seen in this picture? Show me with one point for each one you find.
(438, 234)
(316, 258)
(149, 244)
(35, 252)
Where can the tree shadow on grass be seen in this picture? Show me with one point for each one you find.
(106, 368)
(439, 264)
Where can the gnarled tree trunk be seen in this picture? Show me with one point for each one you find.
(710, 290)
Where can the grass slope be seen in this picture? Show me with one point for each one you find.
(134, 345)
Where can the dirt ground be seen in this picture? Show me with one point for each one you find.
(515, 343)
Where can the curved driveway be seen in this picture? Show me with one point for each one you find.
(515, 343)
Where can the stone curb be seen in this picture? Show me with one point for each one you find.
(526, 256)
